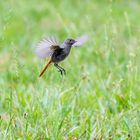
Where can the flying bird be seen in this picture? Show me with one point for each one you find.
(50, 48)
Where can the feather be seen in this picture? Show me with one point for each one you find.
(46, 47)
(81, 40)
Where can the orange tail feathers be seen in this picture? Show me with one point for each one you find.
(45, 68)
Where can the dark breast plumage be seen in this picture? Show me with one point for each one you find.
(59, 55)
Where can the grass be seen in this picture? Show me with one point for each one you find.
(98, 98)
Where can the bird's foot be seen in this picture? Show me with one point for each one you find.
(62, 71)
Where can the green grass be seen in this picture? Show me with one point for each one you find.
(99, 98)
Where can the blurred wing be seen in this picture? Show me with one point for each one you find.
(46, 47)
(81, 40)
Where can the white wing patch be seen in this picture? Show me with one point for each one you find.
(81, 40)
(44, 48)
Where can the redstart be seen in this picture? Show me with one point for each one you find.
(50, 47)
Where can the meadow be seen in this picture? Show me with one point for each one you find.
(99, 98)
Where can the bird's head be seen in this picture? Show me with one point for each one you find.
(70, 41)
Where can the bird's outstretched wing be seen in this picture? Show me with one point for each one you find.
(46, 47)
(81, 40)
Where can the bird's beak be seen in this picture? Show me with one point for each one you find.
(74, 42)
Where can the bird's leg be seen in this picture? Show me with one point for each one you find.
(58, 68)
(61, 70)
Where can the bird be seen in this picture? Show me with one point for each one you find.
(50, 48)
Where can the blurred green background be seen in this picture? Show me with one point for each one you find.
(99, 98)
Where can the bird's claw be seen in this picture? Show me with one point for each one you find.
(62, 71)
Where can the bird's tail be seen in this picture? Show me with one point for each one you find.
(45, 68)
